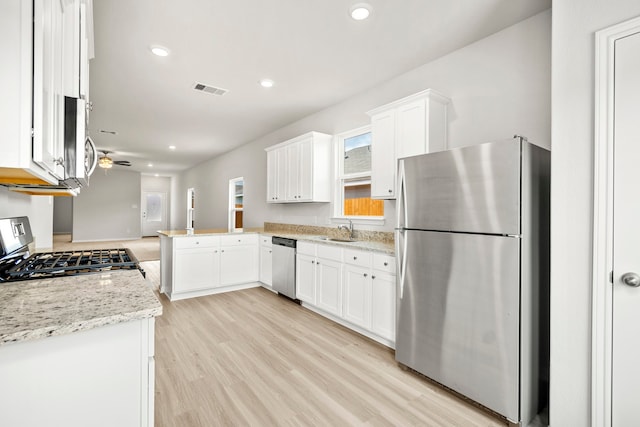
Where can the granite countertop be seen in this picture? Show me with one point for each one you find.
(207, 232)
(366, 245)
(35, 309)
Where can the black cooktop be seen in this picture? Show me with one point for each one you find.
(67, 263)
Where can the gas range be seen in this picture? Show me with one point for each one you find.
(16, 263)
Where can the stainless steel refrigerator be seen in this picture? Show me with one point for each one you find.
(473, 282)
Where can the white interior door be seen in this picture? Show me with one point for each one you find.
(625, 391)
(154, 212)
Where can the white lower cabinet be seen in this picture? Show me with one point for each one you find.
(266, 259)
(306, 278)
(354, 287)
(357, 295)
(97, 377)
(329, 284)
(196, 269)
(192, 266)
(238, 264)
(383, 304)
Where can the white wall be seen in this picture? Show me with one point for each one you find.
(109, 208)
(39, 209)
(62, 215)
(499, 86)
(574, 25)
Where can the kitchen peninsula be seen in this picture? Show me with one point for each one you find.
(80, 349)
(209, 261)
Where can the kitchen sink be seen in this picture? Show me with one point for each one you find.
(333, 239)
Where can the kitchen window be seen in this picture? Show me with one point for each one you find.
(353, 195)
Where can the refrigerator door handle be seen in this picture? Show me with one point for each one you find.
(402, 198)
(401, 237)
(401, 250)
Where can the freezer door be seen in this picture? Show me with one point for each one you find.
(470, 189)
(458, 320)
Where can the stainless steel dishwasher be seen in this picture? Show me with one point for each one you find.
(284, 266)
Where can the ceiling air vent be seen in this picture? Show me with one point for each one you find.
(209, 89)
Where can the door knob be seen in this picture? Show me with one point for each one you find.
(631, 279)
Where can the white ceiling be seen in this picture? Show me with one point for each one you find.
(316, 54)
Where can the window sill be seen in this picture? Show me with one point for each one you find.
(365, 220)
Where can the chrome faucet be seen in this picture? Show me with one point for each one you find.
(347, 227)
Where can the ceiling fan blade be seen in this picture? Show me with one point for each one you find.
(122, 162)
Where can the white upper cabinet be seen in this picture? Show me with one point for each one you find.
(410, 126)
(299, 170)
(42, 44)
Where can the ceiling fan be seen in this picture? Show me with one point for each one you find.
(107, 162)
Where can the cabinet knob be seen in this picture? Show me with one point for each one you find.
(215, 252)
(313, 262)
(239, 240)
(355, 257)
(318, 262)
(373, 277)
(222, 250)
(386, 263)
(197, 243)
(390, 191)
(269, 251)
(365, 274)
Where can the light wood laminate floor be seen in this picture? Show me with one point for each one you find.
(252, 358)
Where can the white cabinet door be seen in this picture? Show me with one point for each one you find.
(265, 265)
(306, 278)
(383, 305)
(272, 176)
(281, 175)
(238, 264)
(411, 130)
(383, 156)
(195, 269)
(293, 172)
(48, 98)
(357, 295)
(306, 172)
(329, 286)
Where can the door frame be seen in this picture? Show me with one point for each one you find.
(602, 289)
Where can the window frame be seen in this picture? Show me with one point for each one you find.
(341, 179)
(232, 204)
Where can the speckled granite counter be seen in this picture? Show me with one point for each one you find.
(205, 232)
(366, 245)
(36, 309)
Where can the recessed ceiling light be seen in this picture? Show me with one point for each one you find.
(266, 83)
(156, 175)
(159, 50)
(172, 147)
(360, 11)
(150, 165)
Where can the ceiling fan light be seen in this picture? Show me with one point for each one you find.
(105, 162)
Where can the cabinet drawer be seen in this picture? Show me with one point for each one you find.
(196, 242)
(306, 248)
(329, 252)
(265, 240)
(239, 239)
(356, 257)
(385, 263)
